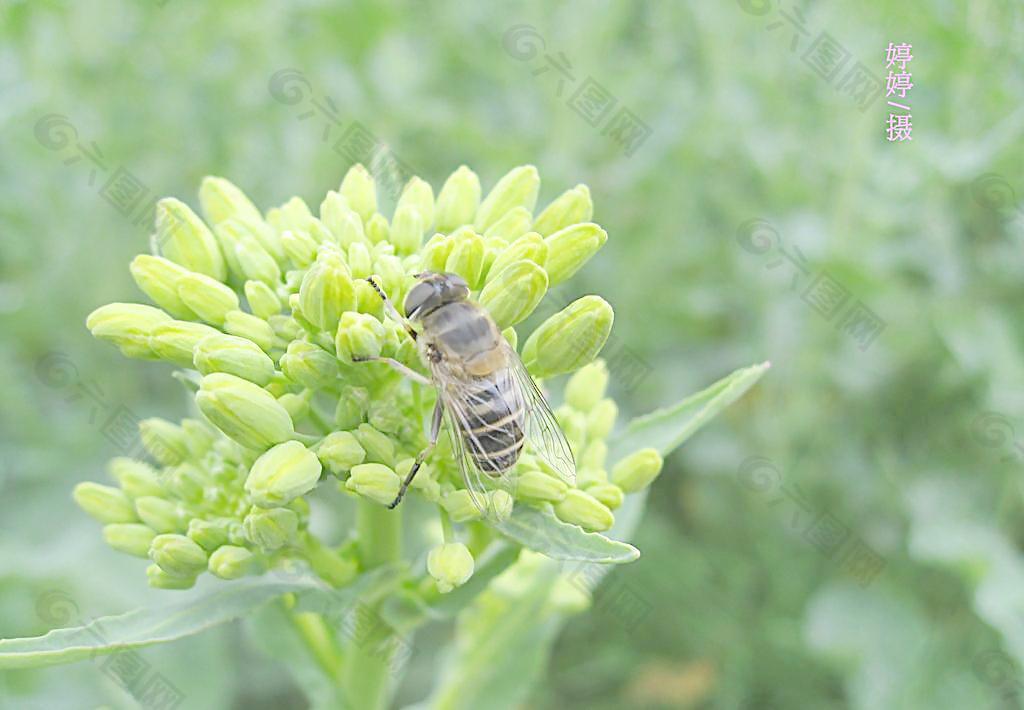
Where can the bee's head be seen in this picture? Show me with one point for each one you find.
(433, 291)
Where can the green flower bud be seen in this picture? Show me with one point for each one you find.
(377, 230)
(130, 538)
(425, 481)
(601, 419)
(594, 455)
(287, 471)
(359, 260)
(165, 442)
(309, 365)
(185, 240)
(367, 300)
(608, 493)
(451, 566)
(352, 407)
(407, 229)
(175, 341)
(518, 188)
(126, 325)
(245, 412)
(434, 255)
(285, 327)
(186, 481)
(379, 447)
(271, 528)
(467, 257)
(359, 336)
(342, 220)
(493, 246)
(255, 262)
(499, 505)
(235, 356)
(458, 200)
(460, 506)
(158, 513)
(299, 246)
(262, 299)
(529, 247)
(514, 224)
(209, 299)
(137, 478)
(587, 386)
(586, 476)
(571, 207)
(569, 339)
(295, 214)
(231, 562)
(538, 486)
(104, 503)
(582, 509)
(246, 325)
(159, 579)
(296, 403)
(574, 426)
(515, 293)
(637, 471)
(374, 481)
(209, 534)
(571, 248)
(340, 451)
(177, 555)
(359, 189)
(156, 277)
(419, 194)
(228, 235)
(221, 200)
(327, 291)
(198, 435)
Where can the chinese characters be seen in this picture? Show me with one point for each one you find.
(899, 126)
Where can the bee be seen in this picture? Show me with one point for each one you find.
(491, 404)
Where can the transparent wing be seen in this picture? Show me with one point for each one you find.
(543, 433)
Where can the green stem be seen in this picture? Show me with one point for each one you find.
(315, 633)
(367, 661)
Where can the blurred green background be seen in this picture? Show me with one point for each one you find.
(847, 536)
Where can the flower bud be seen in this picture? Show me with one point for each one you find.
(407, 229)
(309, 365)
(425, 481)
(104, 503)
(209, 534)
(607, 493)
(137, 478)
(530, 247)
(637, 471)
(262, 299)
(158, 513)
(209, 299)
(359, 260)
(374, 481)
(245, 412)
(294, 214)
(538, 486)
(460, 506)
(511, 297)
(451, 566)
(377, 230)
(165, 442)
(284, 327)
(518, 188)
(571, 207)
(467, 257)
(235, 356)
(156, 277)
(342, 220)
(130, 538)
(198, 435)
(175, 341)
(571, 248)
(340, 451)
(359, 336)
(177, 555)
(419, 194)
(587, 386)
(246, 325)
(499, 505)
(514, 224)
(458, 200)
(228, 235)
(590, 476)
(594, 455)
(352, 407)
(582, 509)
(368, 301)
(326, 291)
(299, 246)
(186, 481)
(231, 562)
(511, 337)
(287, 471)
(569, 339)
(255, 262)
(271, 528)
(434, 254)
(221, 200)
(159, 579)
(126, 325)
(601, 419)
(359, 191)
(379, 447)
(185, 240)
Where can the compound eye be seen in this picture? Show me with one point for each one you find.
(418, 296)
(457, 281)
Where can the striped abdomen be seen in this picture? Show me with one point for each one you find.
(493, 424)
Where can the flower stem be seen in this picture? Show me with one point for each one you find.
(367, 662)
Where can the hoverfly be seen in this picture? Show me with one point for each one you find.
(491, 403)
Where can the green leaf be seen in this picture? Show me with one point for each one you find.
(145, 627)
(538, 529)
(666, 429)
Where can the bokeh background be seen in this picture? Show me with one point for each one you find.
(847, 536)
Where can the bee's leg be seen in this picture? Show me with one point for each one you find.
(390, 308)
(397, 367)
(435, 431)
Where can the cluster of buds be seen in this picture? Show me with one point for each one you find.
(275, 315)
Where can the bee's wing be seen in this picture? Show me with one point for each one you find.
(543, 433)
